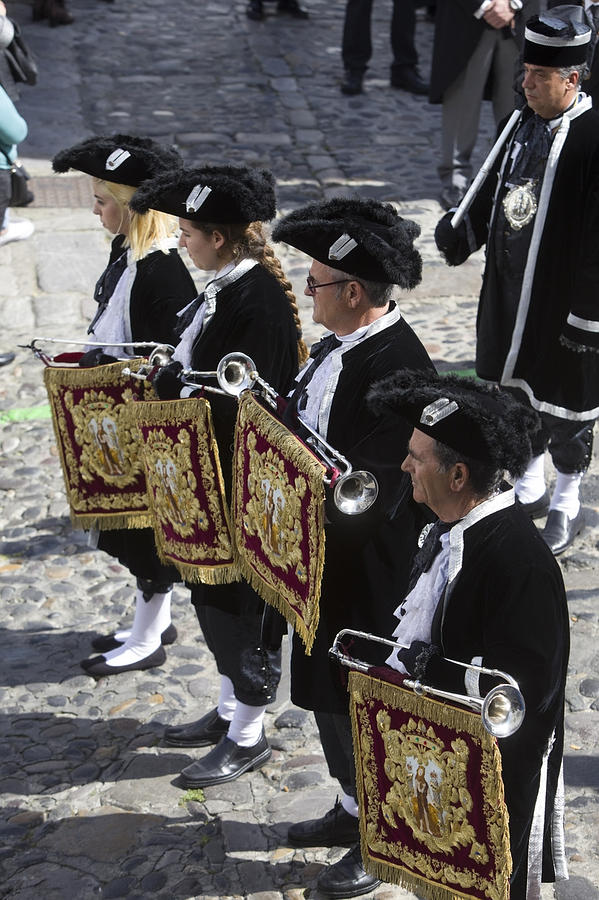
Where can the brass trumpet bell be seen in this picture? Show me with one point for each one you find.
(355, 492)
(503, 710)
(236, 373)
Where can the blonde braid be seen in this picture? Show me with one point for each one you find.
(263, 252)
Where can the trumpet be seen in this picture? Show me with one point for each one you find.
(353, 492)
(502, 710)
(227, 373)
(160, 355)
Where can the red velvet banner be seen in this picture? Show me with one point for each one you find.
(102, 469)
(186, 489)
(278, 515)
(432, 812)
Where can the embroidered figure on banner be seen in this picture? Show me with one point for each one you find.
(170, 476)
(107, 447)
(273, 512)
(428, 786)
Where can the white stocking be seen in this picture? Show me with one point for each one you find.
(531, 486)
(565, 494)
(151, 619)
(349, 804)
(226, 702)
(246, 726)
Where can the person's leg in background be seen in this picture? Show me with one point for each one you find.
(356, 47)
(404, 69)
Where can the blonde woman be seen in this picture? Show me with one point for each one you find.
(139, 294)
(248, 306)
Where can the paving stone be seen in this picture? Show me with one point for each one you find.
(105, 810)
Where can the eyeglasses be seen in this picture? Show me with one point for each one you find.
(313, 285)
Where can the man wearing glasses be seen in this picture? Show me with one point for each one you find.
(360, 249)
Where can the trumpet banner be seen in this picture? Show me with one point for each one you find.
(278, 515)
(186, 489)
(432, 812)
(99, 453)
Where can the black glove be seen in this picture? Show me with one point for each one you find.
(416, 657)
(96, 357)
(167, 381)
(452, 242)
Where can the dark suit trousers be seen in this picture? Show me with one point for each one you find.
(357, 42)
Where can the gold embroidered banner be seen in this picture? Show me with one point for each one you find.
(432, 812)
(99, 454)
(278, 515)
(186, 489)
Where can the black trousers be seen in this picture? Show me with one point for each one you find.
(231, 619)
(336, 739)
(570, 444)
(356, 48)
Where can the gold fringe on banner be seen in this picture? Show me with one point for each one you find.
(416, 804)
(99, 455)
(278, 514)
(186, 489)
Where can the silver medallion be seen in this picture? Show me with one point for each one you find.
(520, 205)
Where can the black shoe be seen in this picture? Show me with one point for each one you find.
(536, 509)
(560, 531)
(207, 730)
(335, 829)
(97, 665)
(254, 10)
(225, 762)
(408, 79)
(292, 8)
(352, 83)
(107, 642)
(451, 196)
(347, 877)
(6, 358)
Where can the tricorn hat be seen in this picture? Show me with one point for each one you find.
(479, 420)
(556, 38)
(225, 195)
(364, 238)
(119, 158)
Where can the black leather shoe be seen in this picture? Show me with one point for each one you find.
(560, 531)
(536, 509)
(408, 79)
(292, 8)
(98, 667)
(207, 730)
(352, 83)
(347, 877)
(107, 642)
(225, 762)
(6, 358)
(335, 829)
(254, 10)
(451, 196)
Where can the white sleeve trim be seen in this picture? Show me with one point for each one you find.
(583, 324)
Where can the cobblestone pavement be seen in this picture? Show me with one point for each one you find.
(91, 803)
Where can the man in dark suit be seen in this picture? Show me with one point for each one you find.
(475, 58)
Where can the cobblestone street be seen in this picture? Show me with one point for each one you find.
(91, 802)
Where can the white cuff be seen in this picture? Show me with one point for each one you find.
(483, 8)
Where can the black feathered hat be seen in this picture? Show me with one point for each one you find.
(364, 238)
(119, 158)
(225, 195)
(558, 37)
(479, 420)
